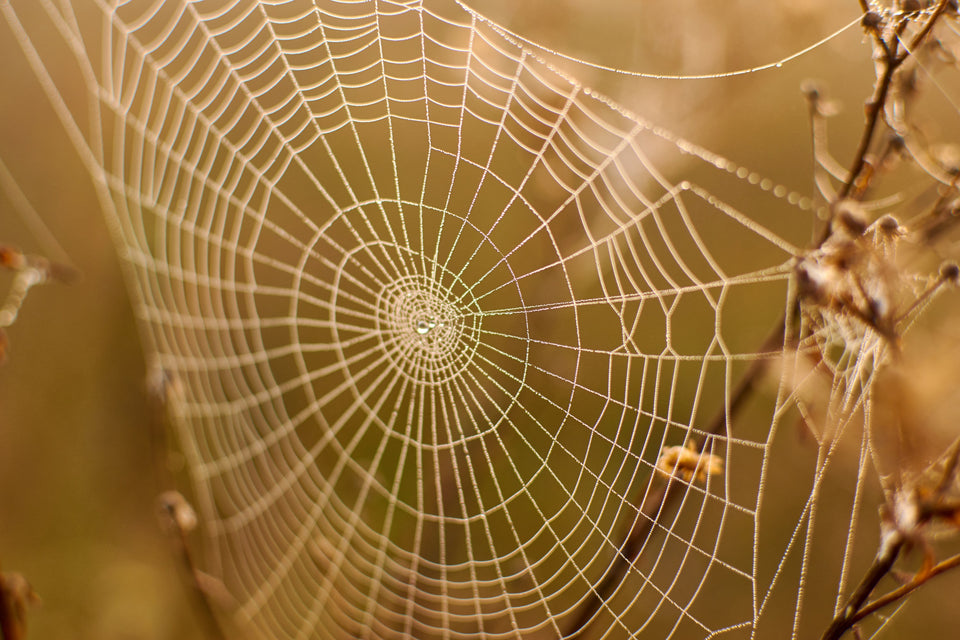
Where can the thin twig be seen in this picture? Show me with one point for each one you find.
(921, 35)
(892, 59)
(874, 107)
(882, 563)
(900, 592)
(176, 516)
(894, 543)
(949, 469)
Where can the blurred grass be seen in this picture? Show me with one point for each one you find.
(76, 481)
(76, 472)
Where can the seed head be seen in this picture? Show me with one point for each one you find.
(950, 272)
(851, 218)
(871, 21)
(176, 514)
(889, 227)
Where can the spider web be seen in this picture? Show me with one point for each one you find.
(429, 310)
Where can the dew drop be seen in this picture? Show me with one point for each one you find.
(423, 327)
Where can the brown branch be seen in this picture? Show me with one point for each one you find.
(176, 516)
(920, 579)
(892, 547)
(882, 564)
(30, 271)
(943, 214)
(178, 519)
(856, 610)
(892, 59)
(921, 35)
(894, 542)
(874, 108)
(949, 469)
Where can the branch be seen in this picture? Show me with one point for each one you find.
(882, 563)
(901, 592)
(176, 517)
(896, 534)
(892, 59)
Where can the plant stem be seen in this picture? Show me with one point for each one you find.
(889, 552)
(900, 592)
(892, 59)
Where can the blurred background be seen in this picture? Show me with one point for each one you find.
(77, 486)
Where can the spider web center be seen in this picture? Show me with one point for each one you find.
(428, 330)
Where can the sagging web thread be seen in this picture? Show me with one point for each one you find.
(434, 310)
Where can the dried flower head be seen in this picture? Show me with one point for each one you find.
(689, 463)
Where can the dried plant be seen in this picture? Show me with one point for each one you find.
(863, 287)
(16, 597)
